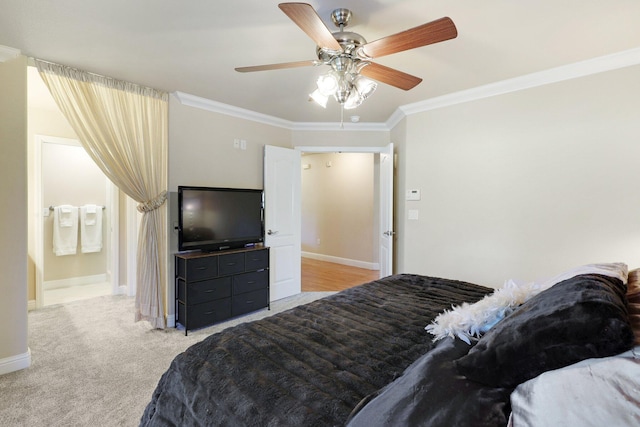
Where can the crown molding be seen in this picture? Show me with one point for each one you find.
(588, 67)
(346, 126)
(7, 53)
(395, 118)
(567, 72)
(230, 110)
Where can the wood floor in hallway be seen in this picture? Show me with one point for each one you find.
(322, 276)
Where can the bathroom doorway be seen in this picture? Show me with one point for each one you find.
(75, 205)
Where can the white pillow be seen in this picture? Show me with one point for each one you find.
(594, 392)
(617, 270)
(470, 321)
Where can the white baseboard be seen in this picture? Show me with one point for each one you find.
(15, 363)
(31, 305)
(171, 321)
(74, 281)
(343, 261)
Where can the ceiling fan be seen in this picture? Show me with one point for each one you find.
(353, 74)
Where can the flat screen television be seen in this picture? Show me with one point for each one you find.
(212, 219)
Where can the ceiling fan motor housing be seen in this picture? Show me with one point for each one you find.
(349, 41)
(341, 17)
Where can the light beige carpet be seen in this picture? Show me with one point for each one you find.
(92, 365)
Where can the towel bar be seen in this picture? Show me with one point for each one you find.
(52, 207)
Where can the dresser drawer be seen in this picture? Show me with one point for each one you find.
(198, 268)
(248, 282)
(231, 263)
(205, 290)
(256, 260)
(250, 301)
(204, 314)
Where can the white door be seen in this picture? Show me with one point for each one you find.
(282, 181)
(386, 212)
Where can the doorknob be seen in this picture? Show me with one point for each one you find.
(270, 232)
(389, 233)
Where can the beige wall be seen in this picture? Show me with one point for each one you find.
(339, 138)
(338, 206)
(526, 184)
(13, 215)
(201, 150)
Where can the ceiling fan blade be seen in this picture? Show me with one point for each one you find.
(308, 20)
(276, 66)
(390, 76)
(432, 32)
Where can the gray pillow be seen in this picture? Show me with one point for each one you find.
(577, 319)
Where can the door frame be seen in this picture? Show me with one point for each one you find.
(39, 212)
(355, 149)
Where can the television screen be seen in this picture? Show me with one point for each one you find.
(219, 218)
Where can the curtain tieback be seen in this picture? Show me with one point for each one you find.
(153, 204)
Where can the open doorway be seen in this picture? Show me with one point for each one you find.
(62, 173)
(339, 239)
(342, 198)
(73, 191)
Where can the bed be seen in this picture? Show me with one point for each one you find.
(362, 357)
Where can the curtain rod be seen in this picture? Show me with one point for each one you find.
(88, 76)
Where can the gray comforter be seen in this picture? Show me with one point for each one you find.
(308, 366)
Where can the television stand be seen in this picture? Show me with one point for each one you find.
(216, 286)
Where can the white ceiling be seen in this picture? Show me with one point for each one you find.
(193, 46)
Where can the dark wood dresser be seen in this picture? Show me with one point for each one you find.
(215, 286)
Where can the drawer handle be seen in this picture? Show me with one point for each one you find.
(250, 302)
(251, 282)
(209, 312)
(201, 268)
(209, 291)
(231, 263)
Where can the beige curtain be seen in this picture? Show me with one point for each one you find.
(123, 127)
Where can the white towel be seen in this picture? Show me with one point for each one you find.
(91, 228)
(65, 230)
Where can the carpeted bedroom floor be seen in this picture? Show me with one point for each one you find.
(91, 365)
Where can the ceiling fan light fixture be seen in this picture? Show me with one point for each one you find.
(345, 88)
(327, 84)
(361, 89)
(342, 96)
(319, 98)
(365, 86)
(353, 101)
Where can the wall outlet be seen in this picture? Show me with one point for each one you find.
(236, 143)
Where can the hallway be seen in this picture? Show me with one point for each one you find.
(322, 276)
